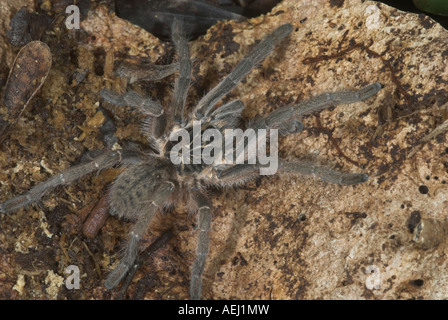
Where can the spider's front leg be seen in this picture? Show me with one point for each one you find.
(327, 174)
(183, 81)
(285, 118)
(240, 173)
(257, 55)
(154, 123)
(329, 99)
(132, 99)
(204, 206)
(145, 72)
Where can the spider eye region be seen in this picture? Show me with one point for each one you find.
(193, 148)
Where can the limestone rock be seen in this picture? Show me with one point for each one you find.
(281, 237)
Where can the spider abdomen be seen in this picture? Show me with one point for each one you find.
(134, 189)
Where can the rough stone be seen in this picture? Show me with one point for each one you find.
(280, 237)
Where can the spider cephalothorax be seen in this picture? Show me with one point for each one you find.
(153, 181)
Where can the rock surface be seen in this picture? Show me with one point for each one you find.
(281, 237)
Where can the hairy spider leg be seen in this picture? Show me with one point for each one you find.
(258, 54)
(106, 160)
(138, 230)
(204, 221)
(183, 81)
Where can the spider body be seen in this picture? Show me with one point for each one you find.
(152, 181)
(193, 168)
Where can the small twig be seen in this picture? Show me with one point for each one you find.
(438, 130)
(335, 144)
(95, 262)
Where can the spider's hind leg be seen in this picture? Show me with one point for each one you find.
(204, 220)
(106, 160)
(145, 215)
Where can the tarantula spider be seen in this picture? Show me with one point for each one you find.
(151, 182)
